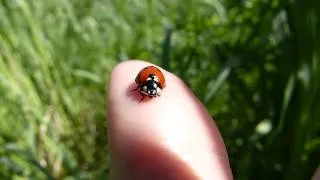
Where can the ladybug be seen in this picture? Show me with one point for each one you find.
(150, 81)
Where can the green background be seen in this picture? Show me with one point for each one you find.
(255, 64)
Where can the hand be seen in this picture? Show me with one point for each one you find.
(167, 137)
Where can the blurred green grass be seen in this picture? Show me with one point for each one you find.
(254, 64)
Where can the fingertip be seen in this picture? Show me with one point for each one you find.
(175, 122)
(122, 83)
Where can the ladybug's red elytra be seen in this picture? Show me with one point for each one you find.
(150, 81)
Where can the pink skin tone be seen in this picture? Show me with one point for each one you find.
(169, 137)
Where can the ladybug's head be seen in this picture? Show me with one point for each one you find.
(151, 87)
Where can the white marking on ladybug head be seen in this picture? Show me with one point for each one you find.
(155, 78)
(144, 88)
(158, 91)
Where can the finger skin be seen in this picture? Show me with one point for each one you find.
(168, 137)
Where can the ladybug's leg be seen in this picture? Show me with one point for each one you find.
(135, 88)
(142, 97)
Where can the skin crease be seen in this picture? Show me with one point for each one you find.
(168, 137)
